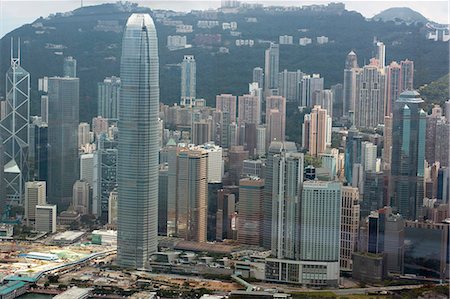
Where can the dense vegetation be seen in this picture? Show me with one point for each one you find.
(98, 53)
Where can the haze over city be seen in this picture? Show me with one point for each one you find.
(228, 150)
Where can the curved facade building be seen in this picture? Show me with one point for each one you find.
(137, 172)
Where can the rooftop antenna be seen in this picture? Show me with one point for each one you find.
(15, 61)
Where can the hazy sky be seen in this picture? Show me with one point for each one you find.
(14, 13)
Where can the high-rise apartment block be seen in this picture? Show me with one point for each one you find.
(108, 93)
(271, 67)
(275, 118)
(349, 95)
(287, 181)
(316, 131)
(188, 81)
(308, 86)
(370, 95)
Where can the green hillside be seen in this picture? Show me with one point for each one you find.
(98, 52)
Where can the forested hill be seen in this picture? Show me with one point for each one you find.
(93, 36)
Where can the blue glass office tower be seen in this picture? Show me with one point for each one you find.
(408, 154)
(137, 172)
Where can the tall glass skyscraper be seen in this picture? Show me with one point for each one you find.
(408, 154)
(137, 172)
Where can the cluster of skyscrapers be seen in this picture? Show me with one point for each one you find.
(343, 198)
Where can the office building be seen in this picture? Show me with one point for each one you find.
(44, 108)
(250, 222)
(308, 86)
(386, 234)
(188, 81)
(370, 96)
(137, 170)
(387, 143)
(38, 153)
(112, 209)
(287, 183)
(276, 147)
(271, 67)
(352, 152)
(317, 260)
(408, 155)
(104, 176)
(368, 156)
(236, 157)
(188, 193)
(260, 140)
(350, 211)
(349, 95)
(81, 197)
(337, 91)
(108, 97)
(320, 221)
(2, 179)
(84, 134)
(45, 218)
(201, 132)
(35, 194)
(70, 67)
(87, 168)
(14, 129)
(381, 54)
(251, 168)
(373, 192)
(226, 215)
(63, 120)
(258, 76)
(163, 188)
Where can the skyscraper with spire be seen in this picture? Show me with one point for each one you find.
(137, 172)
(14, 128)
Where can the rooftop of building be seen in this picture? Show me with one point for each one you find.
(11, 287)
(74, 292)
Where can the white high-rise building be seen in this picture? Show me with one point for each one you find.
(271, 67)
(287, 180)
(35, 194)
(368, 156)
(84, 136)
(261, 140)
(87, 168)
(188, 81)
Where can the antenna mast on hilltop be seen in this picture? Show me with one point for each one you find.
(81, 3)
